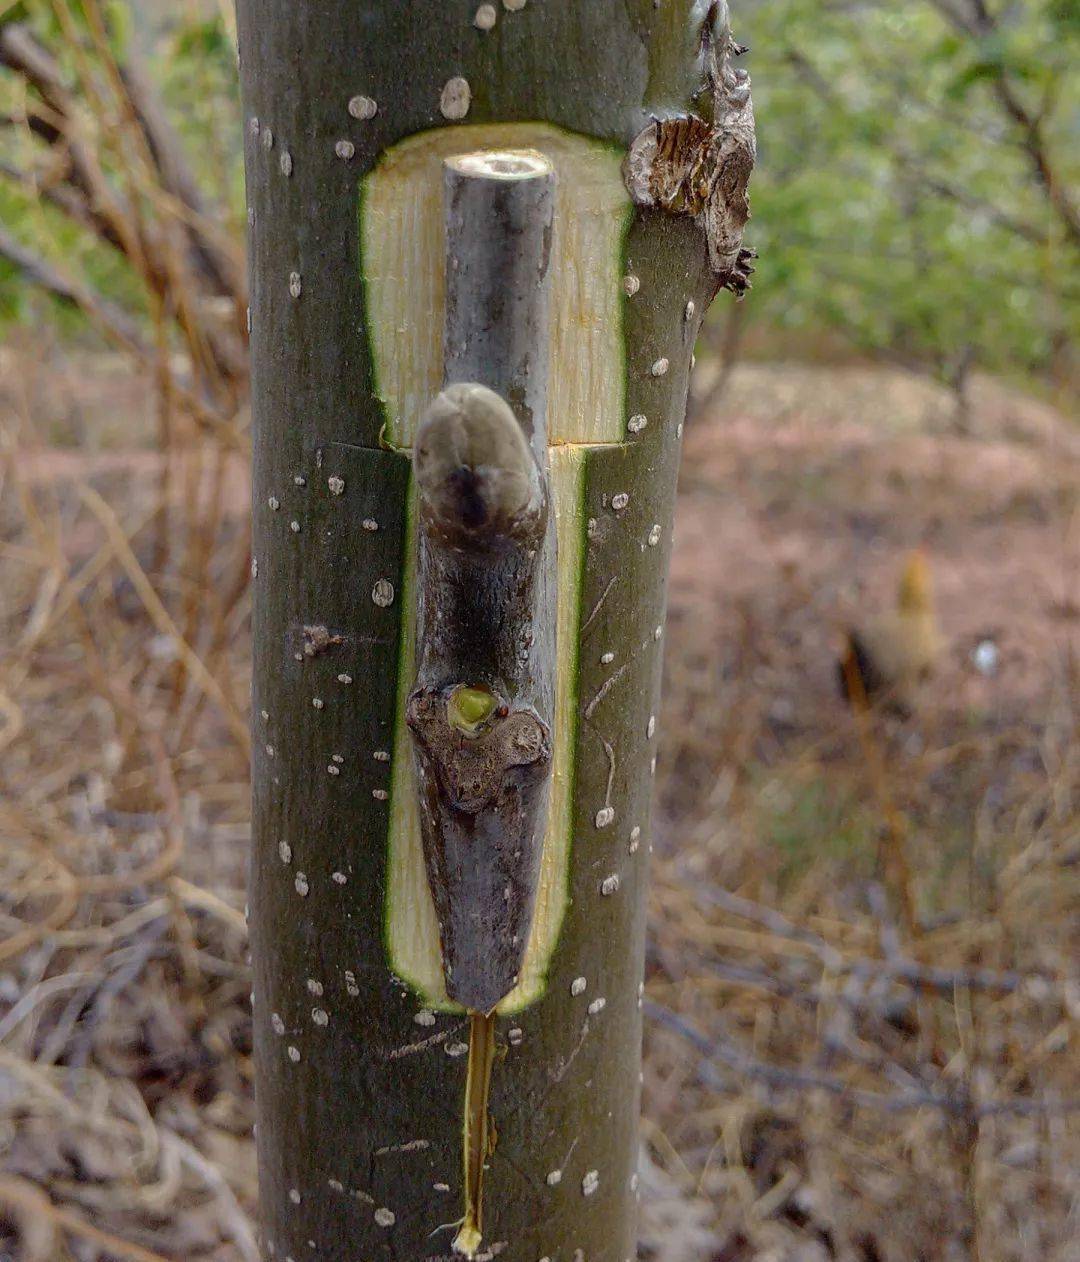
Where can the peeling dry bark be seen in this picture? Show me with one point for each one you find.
(701, 166)
(360, 1074)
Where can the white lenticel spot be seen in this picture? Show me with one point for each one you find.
(577, 986)
(336, 484)
(455, 99)
(362, 107)
(659, 367)
(345, 150)
(590, 1182)
(604, 816)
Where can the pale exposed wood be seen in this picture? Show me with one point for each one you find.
(402, 234)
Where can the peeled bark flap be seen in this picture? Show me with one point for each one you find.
(690, 165)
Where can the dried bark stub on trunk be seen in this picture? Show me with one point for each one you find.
(700, 164)
(360, 1050)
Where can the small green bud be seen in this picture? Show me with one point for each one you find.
(468, 709)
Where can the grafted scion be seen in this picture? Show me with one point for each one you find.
(480, 711)
(484, 750)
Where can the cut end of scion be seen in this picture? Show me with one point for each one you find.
(502, 164)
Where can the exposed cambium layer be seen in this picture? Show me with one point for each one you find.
(403, 261)
(412, 931)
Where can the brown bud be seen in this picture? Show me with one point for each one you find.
(475, 469)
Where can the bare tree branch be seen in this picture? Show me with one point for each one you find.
(116, 322)
(215, 261)
(979, 23)
(954, 1100)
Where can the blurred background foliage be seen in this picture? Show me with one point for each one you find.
(913, 194)
(914, 197)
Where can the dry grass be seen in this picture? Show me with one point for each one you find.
(863, 964)
(823, 1079)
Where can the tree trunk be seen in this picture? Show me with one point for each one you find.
(351, 111)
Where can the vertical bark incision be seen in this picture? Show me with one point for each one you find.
(480, 712)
